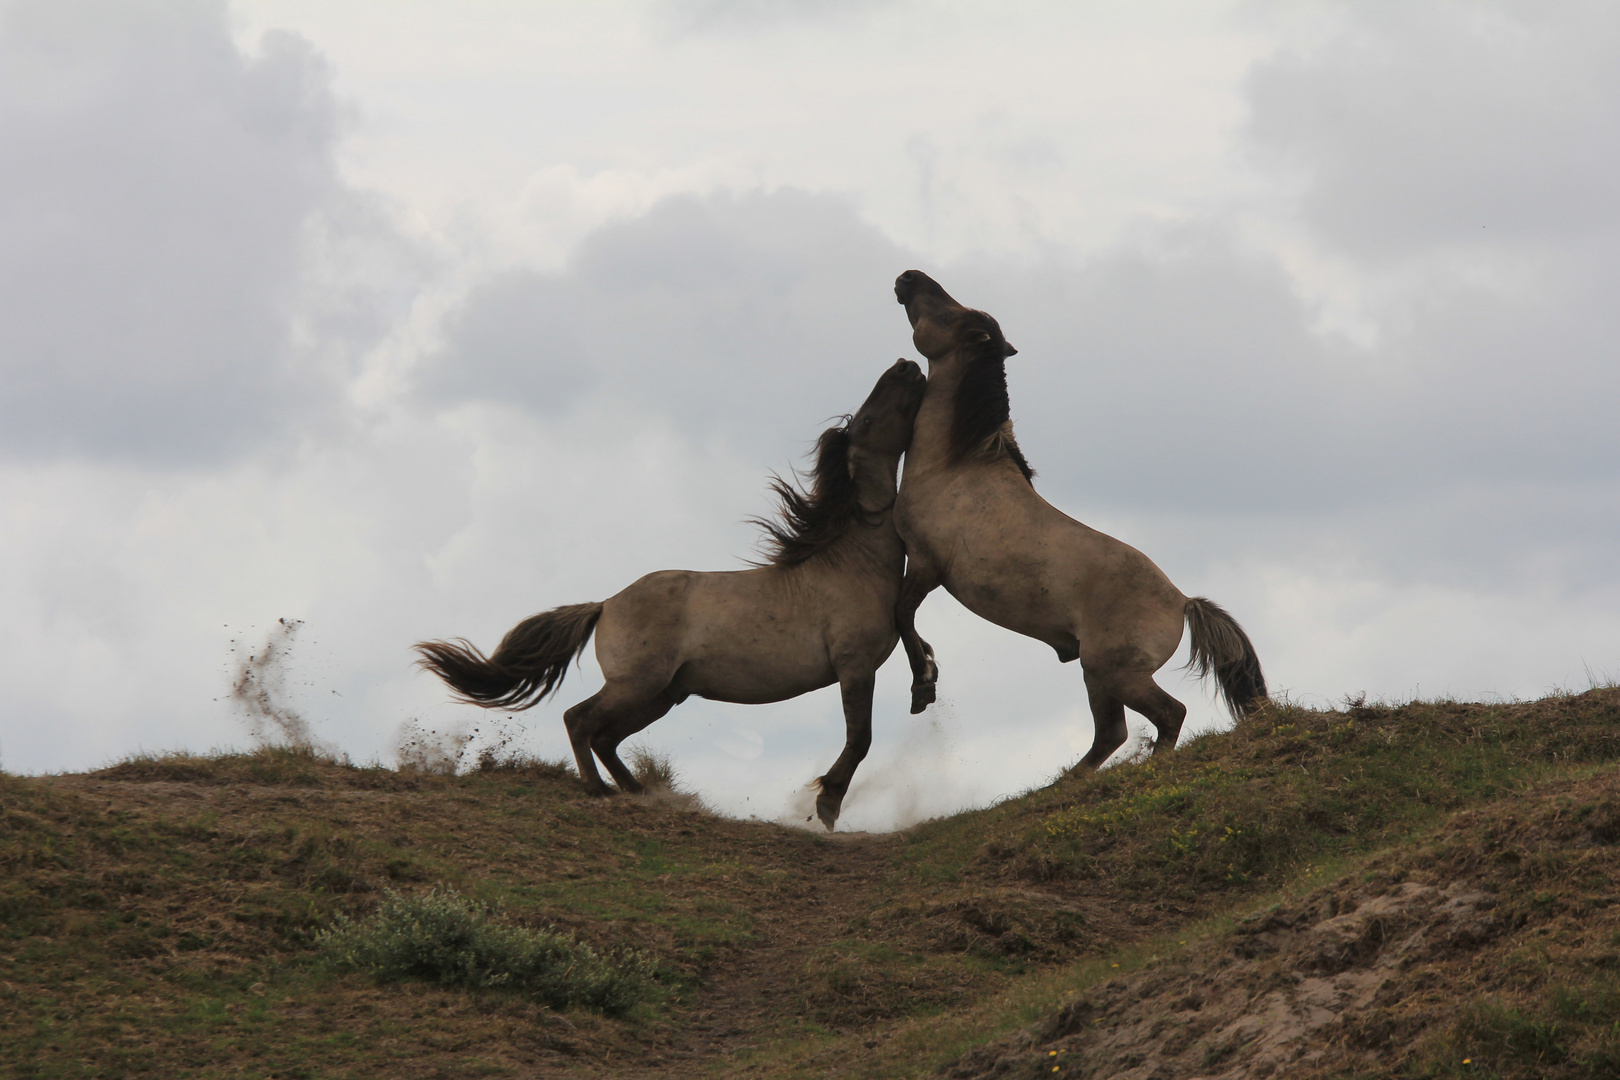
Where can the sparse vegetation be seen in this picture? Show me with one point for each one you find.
(442, 937)
(281, 765)
(1288, 787)
(165, 916)
(651, 768)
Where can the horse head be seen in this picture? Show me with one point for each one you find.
(883, 423)
(940, 326)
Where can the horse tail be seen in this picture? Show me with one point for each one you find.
(528, 664)
(1220, 647)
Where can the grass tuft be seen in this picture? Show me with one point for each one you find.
(523, 766)
(441, 937)
(652, 768)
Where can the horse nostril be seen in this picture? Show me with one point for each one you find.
(905, 286)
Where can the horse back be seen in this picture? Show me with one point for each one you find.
(748, 636)
(1013, 558)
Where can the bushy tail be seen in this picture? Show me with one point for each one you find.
(528, 664)
(1220, 647)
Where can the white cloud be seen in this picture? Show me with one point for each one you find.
(660, 261)
(742, 317)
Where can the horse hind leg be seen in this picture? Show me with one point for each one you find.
(625, 722)
(583, 721)
(1107, 721)
(1141, 693)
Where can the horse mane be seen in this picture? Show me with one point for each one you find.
(812, 519)
(981, 422)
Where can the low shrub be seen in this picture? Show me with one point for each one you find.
(442, 937)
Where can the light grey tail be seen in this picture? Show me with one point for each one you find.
(528, 664)
(1221, 648)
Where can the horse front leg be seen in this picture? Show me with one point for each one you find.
(920, 580)
(857, 695)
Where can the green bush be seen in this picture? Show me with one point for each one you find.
(442, 937)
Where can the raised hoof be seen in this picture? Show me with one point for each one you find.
(922, 696)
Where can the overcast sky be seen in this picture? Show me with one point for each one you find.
(409, 320)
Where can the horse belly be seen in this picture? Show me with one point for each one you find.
(757, 664)
(1081, 592)
(1013, 586)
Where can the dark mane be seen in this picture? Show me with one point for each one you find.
(982, 419)
(812, 520)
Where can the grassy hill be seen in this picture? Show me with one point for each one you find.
(1428, 890)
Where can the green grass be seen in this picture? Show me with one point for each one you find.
(158, 916)
(1287, 787)
(441, 937)
(163, 917)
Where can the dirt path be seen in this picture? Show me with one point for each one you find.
(755, 987)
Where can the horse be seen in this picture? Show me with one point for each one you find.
(818, 609)
(972, 521)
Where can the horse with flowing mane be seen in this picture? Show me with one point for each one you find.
(973, 522)
(819, 610)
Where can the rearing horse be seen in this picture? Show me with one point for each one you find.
(821, 610)
(973, 522)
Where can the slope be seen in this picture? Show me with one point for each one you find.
(160, 916)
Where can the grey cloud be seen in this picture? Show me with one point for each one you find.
(739, 316)
(1179, 375)
(158, 195)
(1175, 374)
(1180, 372)
(1467, 124)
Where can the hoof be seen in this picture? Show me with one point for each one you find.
(922, 696)
(1166, 743)
(827, 811)
(827, 805)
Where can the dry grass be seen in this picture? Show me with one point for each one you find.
(160, 917)
(653, 769)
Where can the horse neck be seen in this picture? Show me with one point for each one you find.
(875, 479)
(931, 436)
(873, 535)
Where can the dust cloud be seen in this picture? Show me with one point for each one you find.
(430, 750)
(259, 689)
(915, 781)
